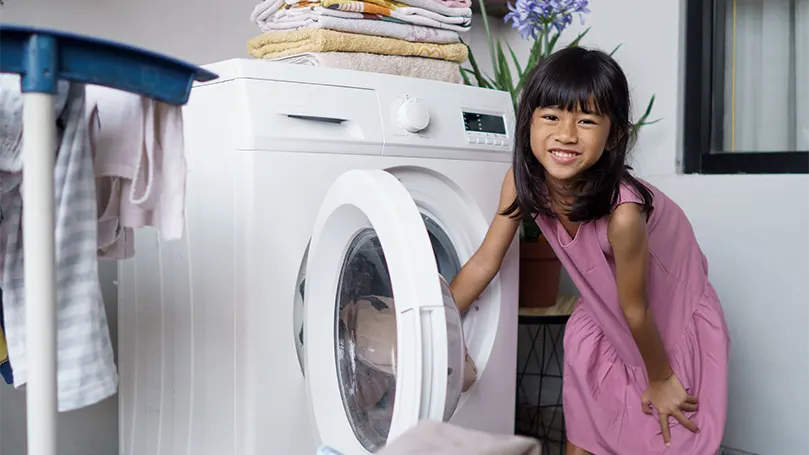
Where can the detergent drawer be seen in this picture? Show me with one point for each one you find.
(306, 117)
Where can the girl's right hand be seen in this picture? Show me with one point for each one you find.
(669, 398)
(476, 274)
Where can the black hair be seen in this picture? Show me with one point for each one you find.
(590, 80)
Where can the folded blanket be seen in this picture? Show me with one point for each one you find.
(281, 44)
(364, 10)
(389, 29)
(264, 11)
(423, 68)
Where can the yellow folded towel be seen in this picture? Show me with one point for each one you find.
(281, 44)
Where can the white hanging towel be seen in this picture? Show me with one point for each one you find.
(140, 167)
(85, 365)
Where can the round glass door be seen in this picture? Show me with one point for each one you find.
(382, 335)
(366, 340)
(446, 258)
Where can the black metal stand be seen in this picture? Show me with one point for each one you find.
(542, 419)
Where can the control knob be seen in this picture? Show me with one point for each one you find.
(413, 116)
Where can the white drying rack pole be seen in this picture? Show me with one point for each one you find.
(43, 57)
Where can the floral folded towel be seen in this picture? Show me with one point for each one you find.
(281, 44)
(263, 12)
(363, 26)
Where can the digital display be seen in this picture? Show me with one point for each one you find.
(484, 123)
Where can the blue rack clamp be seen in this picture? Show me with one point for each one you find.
(43, 56)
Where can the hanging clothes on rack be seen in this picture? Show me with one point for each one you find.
(85, 366)
(140, 168)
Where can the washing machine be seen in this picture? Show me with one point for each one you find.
(312, 192)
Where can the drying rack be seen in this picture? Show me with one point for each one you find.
(42, 57)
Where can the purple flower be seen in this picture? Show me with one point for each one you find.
(530, 17)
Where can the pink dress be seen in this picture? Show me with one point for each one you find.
(604, 374)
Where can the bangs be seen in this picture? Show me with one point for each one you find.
(575, 84)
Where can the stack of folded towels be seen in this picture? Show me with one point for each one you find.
(419, 38)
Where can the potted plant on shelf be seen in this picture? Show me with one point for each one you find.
(542, 22)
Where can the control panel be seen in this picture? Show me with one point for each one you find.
(485, 129)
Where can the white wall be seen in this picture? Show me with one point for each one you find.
(753, 228)
(199, 31)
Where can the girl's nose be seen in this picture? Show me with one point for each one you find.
(566, 134)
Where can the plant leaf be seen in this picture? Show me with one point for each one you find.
(466, 80)
(485, 16)
(483, 83)
(576, 41)
(648, 109)
(514, 59)
(642, 120)
(552, 42)
(504, 73)
(533, 57)
(492, 83)
(616, 49)
(475, 68)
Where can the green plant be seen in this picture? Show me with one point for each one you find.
(542, 21)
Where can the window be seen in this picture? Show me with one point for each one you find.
(747, 87)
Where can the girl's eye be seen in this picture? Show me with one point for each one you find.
(588, 122)
(550, 117)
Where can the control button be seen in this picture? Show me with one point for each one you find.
(498, 142)
(489, 141)
(470, 140)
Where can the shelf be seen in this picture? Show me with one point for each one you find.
(556, 314)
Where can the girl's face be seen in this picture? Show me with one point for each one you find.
(567, 143)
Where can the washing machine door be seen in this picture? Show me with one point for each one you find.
(383, 340)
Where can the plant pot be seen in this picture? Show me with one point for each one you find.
(539, 274)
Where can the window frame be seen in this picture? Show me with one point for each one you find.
(703, 110)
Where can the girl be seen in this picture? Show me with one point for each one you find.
(646, 348)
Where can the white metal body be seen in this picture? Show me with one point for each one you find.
(39, 142)
(281, 156)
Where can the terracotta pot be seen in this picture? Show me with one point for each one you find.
(539, 274)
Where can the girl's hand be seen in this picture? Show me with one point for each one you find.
(669, 398)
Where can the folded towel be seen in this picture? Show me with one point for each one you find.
(429, 5)
(422, 68)
(281, 44)
(388, 29)
(263, 12)
(439, 438)
(364, 10)
(412, 14)
(455, 3)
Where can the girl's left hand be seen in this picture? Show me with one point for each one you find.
(669, 398)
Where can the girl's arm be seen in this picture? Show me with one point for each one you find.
(629, 239)
(628, 236)
(481, 268)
